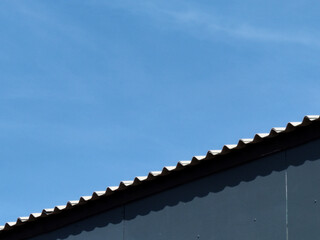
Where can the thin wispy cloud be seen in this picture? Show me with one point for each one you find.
(52, 25)
(211, 26)
(202, 23)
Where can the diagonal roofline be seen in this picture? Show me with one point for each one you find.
(278, 139)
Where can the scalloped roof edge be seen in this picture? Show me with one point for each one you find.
(211, 154)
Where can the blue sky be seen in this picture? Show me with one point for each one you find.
(95, 92)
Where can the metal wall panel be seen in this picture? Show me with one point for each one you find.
(299, 168)
(247, 202)
(107, 225)
(304, 191)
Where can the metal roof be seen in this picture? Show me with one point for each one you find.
(210, 156)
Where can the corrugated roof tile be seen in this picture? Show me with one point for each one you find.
(166, 170)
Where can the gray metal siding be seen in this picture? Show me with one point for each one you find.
(304, 191)
(247, 202)
(298, 186)
(108, 225)
(275, 197)
(241, 203)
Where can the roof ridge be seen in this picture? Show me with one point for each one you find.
(211, 154)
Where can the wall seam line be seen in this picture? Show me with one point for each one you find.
(124, 221)
(286, 185)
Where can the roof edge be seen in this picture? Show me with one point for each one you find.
(231, 155)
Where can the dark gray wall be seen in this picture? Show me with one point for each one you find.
(275, 197)
(304, 192)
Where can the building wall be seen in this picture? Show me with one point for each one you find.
(275, 197)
